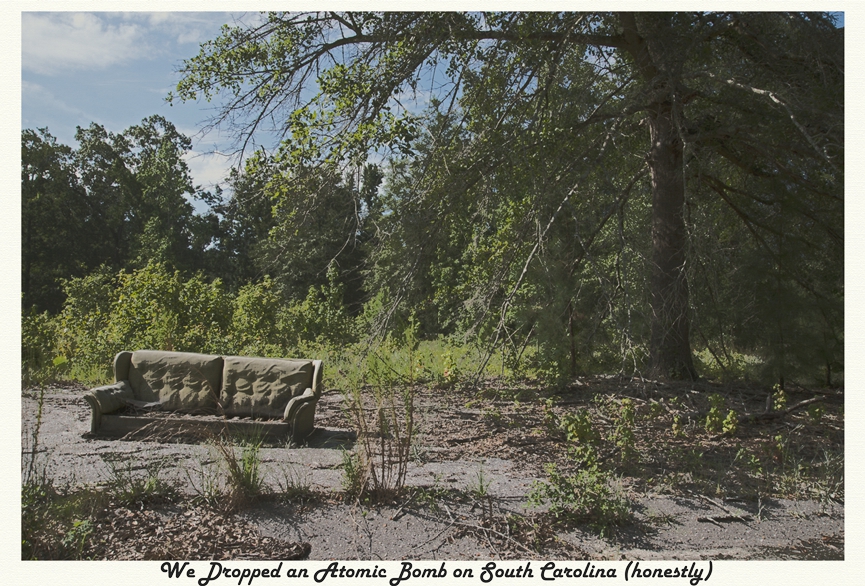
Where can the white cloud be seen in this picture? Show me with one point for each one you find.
(186, 28)
(59, 41)
(54, 42)
(48, 107)
(208, 169)
(33, 91)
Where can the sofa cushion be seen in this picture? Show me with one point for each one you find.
(262, 387)
(180, 381)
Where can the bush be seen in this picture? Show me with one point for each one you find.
(254, 322)
(152, 307)
(38, 343)
(320, 317)
(82, 326)
(156, 308)
(589, 496)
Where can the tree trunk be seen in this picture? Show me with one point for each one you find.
(670, 346)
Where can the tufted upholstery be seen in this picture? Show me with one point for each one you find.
(180, 381)
(262, 387)
(231, 386)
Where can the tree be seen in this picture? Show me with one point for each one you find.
(709, 104)
(55, 235)
(119, 200)
(138, 185)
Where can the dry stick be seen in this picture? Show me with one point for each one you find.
(713, 502)
(725, 519)
(754, 417)
(772, 415)
(436, 536)
(500, 534)
(404, 505)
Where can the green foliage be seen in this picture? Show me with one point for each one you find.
(354, 475)
(589, 496)
(578, 428)
(729, 367)
(677, 427)
(380, 393)
(57, 525)
(119, 200)
(779, 398)
(76, 536)
(236, 479)
(322, 316)
(523, 216)
(731, 423)
(816, 412)
(519, 223)
(623, 431)
(480, 488)
(82, 326)
(57, 240)
(714, 419)
(39, 359)
(450, 372)
(152, 307)
(255, 320)
(146, 312)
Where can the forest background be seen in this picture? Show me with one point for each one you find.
(548, 264)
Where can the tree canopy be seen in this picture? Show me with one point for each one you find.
(709, 131)
(580, 190)
(119, 200)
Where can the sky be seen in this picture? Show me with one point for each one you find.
(116, 69)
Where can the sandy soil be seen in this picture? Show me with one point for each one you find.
(460, 450)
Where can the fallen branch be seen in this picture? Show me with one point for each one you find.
(773, 415)
(716, 520)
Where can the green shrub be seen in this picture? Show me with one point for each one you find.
(578, 428)
(779, 398)
(157, 308)
(39, 359)
(152, 307)
(321, 316)
(715, 417)
(623, 431)
(254, 326)
(589, 496)
(82, 325)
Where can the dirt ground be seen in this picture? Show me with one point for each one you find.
(474, 464)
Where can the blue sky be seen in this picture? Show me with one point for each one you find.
(116, 69)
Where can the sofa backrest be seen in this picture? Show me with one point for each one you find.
(264, 386)
(181, 381)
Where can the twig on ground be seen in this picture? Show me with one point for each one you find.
(716, 520)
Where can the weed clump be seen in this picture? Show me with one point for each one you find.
(589, 496)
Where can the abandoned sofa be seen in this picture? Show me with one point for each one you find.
(202, 393)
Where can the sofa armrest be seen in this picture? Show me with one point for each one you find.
(107, 399)
(122, 362)
(317, 370)
(300, 413)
